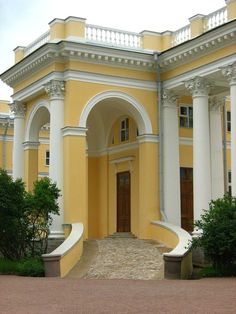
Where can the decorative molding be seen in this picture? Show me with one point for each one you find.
(74, 131)
(18, 109)
(216, 103)
(199, 86)
(31, 145)
(230, 73)
(55, 89)
(117, 161)
(169, 99)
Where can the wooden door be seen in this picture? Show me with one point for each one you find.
(123, 202)
(186, 188)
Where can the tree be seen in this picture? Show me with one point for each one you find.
(218, 238)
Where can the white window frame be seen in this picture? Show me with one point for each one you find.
(228, 121)
(124, 130)
(229, 182)
(47, 158)
(187, 117)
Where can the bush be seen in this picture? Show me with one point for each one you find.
(25, 217)
(218, 239)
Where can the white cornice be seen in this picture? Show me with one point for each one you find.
(73, 131)
(120, 160)
(198, 47)
(85, 52)
(207, 69)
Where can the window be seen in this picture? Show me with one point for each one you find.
(47, 158)
(229, 183)
(124, 130)
(228, 121)
(186, 117)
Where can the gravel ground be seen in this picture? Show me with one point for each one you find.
(124, 259)
(84, 296)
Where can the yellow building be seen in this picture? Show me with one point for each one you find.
(138, 121)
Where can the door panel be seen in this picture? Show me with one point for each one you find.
(186, 188)
(123, 202)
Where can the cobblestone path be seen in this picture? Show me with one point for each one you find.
(121, 258)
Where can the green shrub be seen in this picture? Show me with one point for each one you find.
(218, 240)
(30, 267)
(25, 217)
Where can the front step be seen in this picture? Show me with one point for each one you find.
(122, 235)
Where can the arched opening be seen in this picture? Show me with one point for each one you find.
(37, 148)
(114, 121)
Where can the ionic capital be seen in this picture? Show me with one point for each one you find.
(230, 73)
(216, 103)
(55, 89)
(199, 86)
(169, 98)
(18, 109)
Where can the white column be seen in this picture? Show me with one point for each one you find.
(171, 166)
(55, 90)
(230, 73)
(18, 150)
(217, 167)
(199, 89)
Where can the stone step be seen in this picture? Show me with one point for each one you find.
(118, 235)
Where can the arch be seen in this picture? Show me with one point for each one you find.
(133, 107)
(37, 118)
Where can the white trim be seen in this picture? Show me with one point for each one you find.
(8, 138)
(114, 149)
(202, 71)
(188, 141)
(184, 238)
(31, 145)
(137, 111)
(109, 80)
(148, 138)
(73, 131)
(120, 160)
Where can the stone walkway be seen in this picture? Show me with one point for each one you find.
(120, 258)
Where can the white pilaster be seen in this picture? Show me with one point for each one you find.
(171, 167)
(217, 168)
(199, 88)
(18, 110)
(55, 90)
(230, 73)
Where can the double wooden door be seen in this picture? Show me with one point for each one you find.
(123, 202)
(186, 190)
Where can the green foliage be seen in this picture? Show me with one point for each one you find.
(30, 267)
(12, 217)
(210, 271)
(25, 217)
(41, 203)
(218, 239)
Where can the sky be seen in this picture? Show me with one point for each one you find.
(22, 21)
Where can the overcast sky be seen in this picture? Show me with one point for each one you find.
(22, 21)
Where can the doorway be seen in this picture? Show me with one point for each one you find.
(186, 190)
(123, 201)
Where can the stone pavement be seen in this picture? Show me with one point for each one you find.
(120, 258)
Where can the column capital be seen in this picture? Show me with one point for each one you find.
(18, 109)
(216, 103)
(230, 73)
(55, 89)
(198, 86)
(169, 98)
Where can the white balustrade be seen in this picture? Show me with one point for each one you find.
(181, 35)
(215, 19)
(43, 39)
(113, 36)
